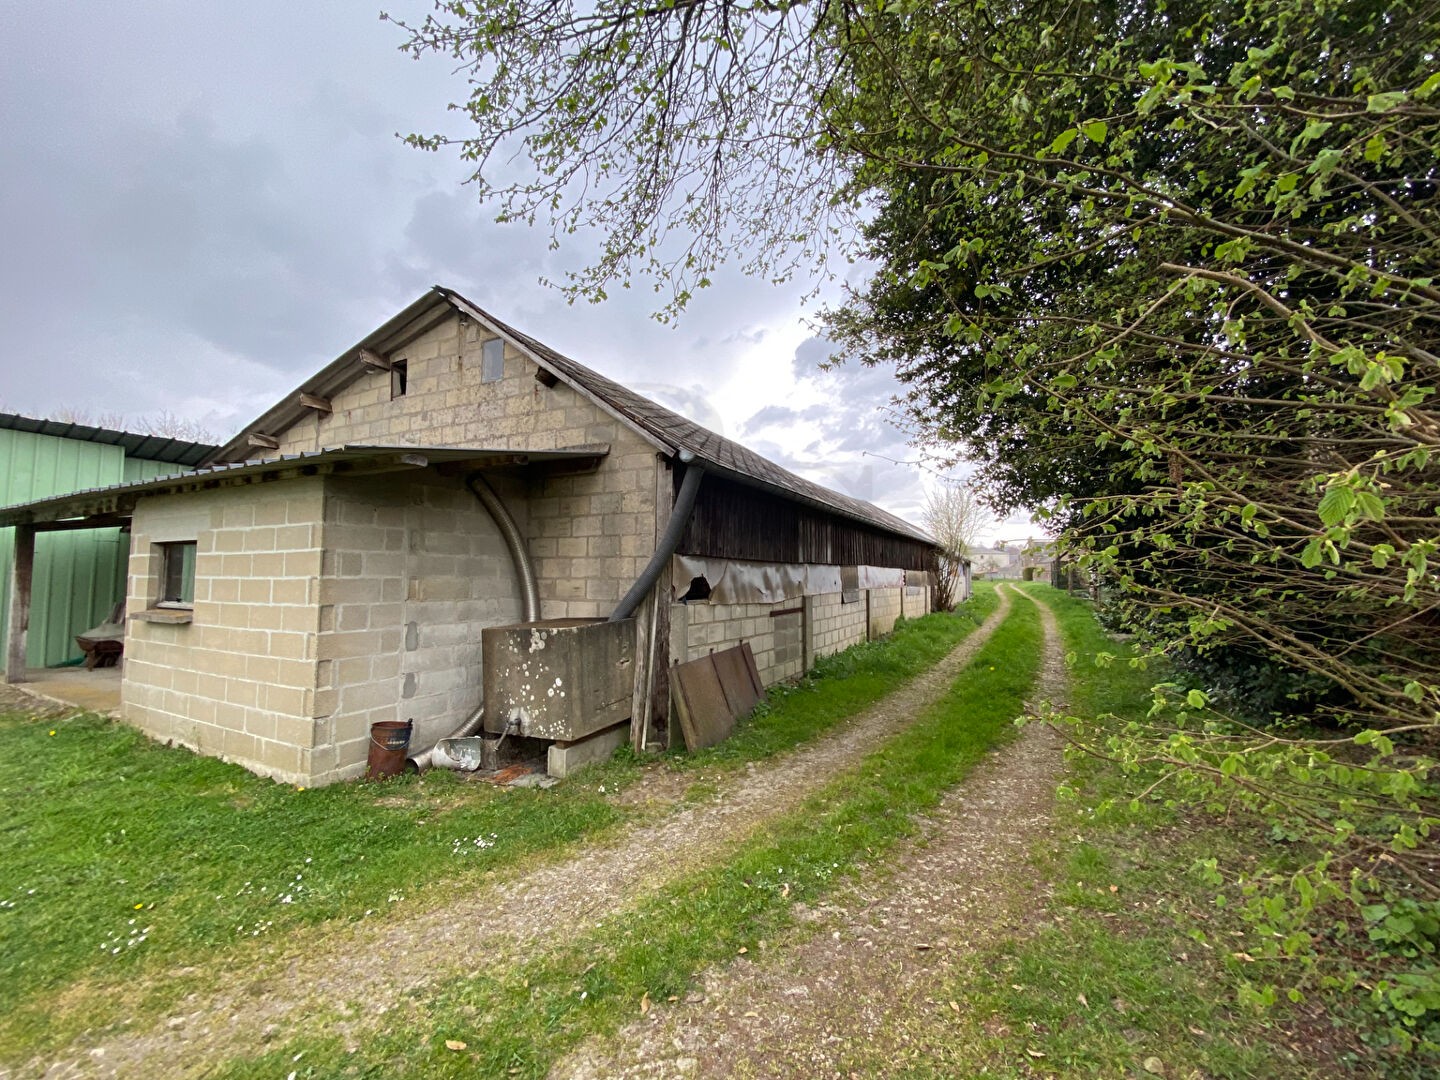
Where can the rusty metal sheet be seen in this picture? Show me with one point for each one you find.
(705, 716)
(712, 693)
(742, 691)
(738, 581)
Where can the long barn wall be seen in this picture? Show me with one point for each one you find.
(789, 635)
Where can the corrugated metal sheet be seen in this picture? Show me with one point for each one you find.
(134, 444)
(80, 575)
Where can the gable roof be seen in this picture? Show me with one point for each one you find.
(134, 444)
(663, 428)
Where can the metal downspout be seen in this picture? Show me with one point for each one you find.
(669, 540)
(529, 594)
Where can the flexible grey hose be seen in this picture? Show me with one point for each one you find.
(529, 593)
(514, 541)
(669, 541)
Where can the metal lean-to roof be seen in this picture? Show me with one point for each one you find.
(119, 499)
(135, 444)
(666, 429)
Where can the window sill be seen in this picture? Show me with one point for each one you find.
(164, 615)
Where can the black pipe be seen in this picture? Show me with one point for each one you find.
(669, 541)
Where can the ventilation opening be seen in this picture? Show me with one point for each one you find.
(399, 378)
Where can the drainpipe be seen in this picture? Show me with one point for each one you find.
(669, 540)
(529, 599)
(514, 541)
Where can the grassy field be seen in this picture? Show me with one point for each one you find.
(124, 857)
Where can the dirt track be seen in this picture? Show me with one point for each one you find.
(861, 988)
(320, 971)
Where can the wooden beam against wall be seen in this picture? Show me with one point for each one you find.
(263, 442)
(316, 402)
(21, 573)
(373, 359)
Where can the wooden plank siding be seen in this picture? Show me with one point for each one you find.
(734, 521)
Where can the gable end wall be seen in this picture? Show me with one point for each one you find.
(590, 535)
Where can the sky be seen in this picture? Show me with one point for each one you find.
(202, 204)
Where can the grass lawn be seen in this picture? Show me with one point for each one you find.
(123, 857)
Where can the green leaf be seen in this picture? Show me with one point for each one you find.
(1386, 101)
(1063, 140)
(1095, 130)
(1369, 506)
(1336, 504)
(1196, 699)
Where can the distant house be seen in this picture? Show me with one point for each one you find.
(78, 575)
(337, 562)
(991, 563)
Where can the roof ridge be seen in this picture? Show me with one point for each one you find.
(680, 432)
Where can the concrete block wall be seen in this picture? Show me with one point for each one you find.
(414, 569)
(238, 681)
(836, 625)
(780, 641)
(915, 601)
(885, 605)
(776, 639)
(590, 534)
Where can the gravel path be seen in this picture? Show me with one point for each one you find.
(321, 971)
(859, 988)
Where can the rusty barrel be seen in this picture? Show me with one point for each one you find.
(389, 746)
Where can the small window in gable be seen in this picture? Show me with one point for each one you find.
(492, 361)
(399, 378)
(177, 574)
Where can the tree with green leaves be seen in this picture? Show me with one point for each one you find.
(1166, 270)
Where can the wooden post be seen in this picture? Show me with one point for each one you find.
(652, 630)
(807, 634)
(644, 651)
(20, 576)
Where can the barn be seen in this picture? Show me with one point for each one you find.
(340, 560)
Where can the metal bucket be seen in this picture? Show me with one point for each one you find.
(389, 745)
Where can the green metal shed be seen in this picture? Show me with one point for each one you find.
(79, 576)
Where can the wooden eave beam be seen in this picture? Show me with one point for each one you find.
(314, 401)
(259, 441)
(372, 359)
(95, 521)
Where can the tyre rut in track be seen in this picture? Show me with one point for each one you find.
(858, 988)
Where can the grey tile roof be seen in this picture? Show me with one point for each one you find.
(666, 429)
(675, 432)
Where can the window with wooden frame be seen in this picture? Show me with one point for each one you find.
(177, 574)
